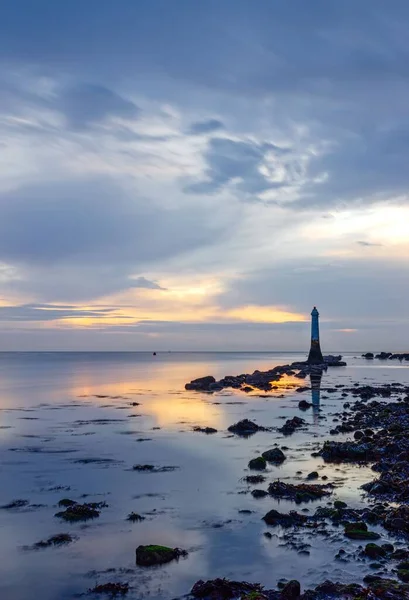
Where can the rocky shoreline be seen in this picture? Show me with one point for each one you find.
(377, 420)
(387, 356)
(263, 380)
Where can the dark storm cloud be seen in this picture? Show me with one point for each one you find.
(208, 126)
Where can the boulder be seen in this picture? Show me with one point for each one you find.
(275, 455)
(258, 464)
(291, 590)
(200, 384)
(147, 556)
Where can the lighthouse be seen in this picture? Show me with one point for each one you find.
(315, 355)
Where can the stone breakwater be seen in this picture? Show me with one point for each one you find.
(263, 380)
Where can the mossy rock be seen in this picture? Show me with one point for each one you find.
(374, 551)
(403, 575)
(148, 556)
(362, 535)
(254, 596)
(258, 464)
(340, 504)
(355, 531)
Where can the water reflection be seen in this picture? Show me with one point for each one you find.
(315, 379)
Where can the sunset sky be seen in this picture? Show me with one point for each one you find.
(192, 175)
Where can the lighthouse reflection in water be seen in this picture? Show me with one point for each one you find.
(315, 378)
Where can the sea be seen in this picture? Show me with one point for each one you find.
(74, 424)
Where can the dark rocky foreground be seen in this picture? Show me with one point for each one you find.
(263, 380)
(374, 588)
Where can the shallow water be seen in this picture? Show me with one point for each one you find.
(68, 430)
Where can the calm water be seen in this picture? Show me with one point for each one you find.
(50, 418)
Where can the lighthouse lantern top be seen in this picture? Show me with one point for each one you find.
(314, 312)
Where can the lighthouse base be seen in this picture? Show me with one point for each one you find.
(315, 356)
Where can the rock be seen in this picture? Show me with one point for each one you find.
(207, 430)
(258, 464)
(254, 479)
(134, 517)
(81, 512)
(66, 502)
(55, 540)
(259, 493)
(113, 589)
(303, 492)
(15, 504)
(275, 455)
(358, 435)
(347, 451)
(368, 355)
(403, 575)
(312, 475)
(340, 504)
(245, 428)
(223, 589)
(359, 531)
(304, 405)
(374, 551)
(200, 384)
(291, 425)
(383, 355)
(291, 590)
(147, 556)
(274, 518)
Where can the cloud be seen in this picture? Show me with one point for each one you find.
(125, 155)
(209, 126)
(142, 282)
(85, 104)
(240, 163)
(363, 243)
(49, 312)
(82, 238)
(94, 221)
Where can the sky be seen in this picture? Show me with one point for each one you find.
(197, 175)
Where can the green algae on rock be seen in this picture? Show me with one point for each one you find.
(359, 531)
(147, 556)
